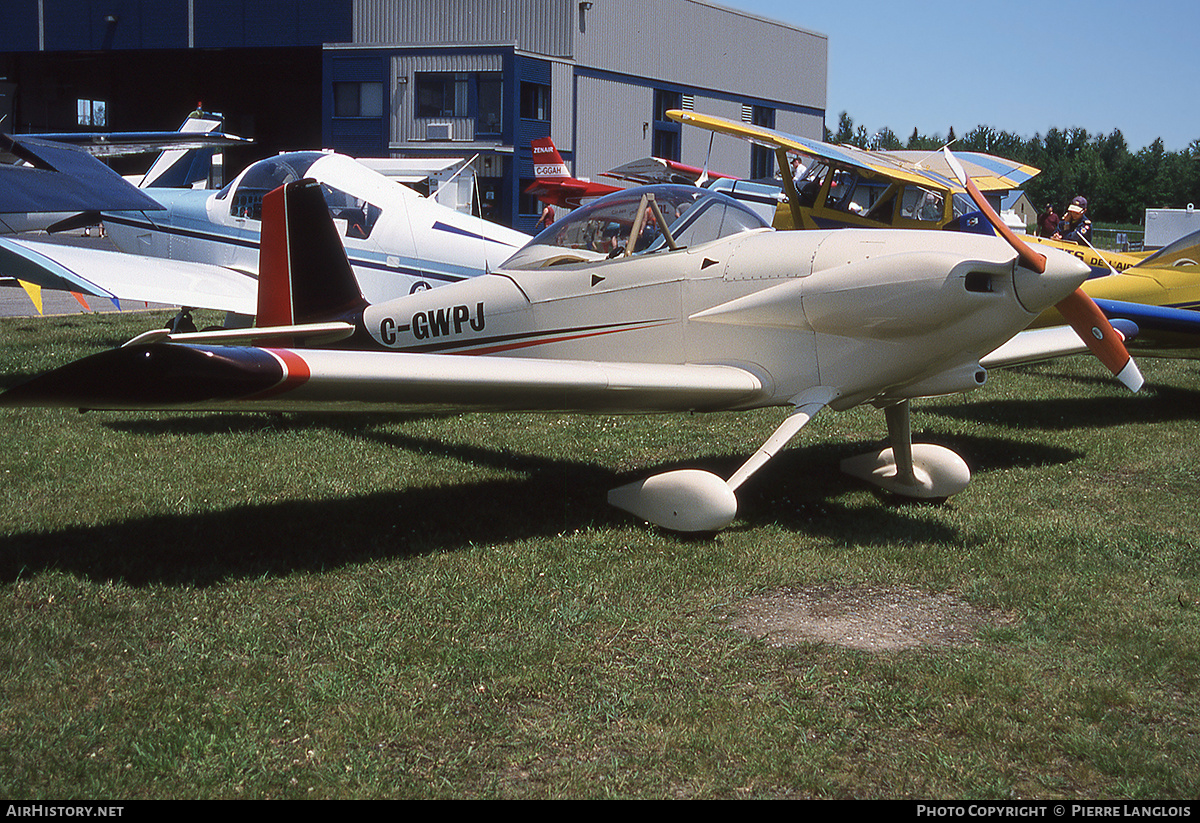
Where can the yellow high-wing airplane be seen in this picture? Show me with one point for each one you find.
(844, 186)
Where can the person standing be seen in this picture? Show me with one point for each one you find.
(1075, 226)
(1047, 221)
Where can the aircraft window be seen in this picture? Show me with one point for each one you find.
(810, 185)
(841, 192)
(603, 228)
(267, 175)
(360, 216)
(921, 204)
(883, 209)
(963, 205)
(710, 219)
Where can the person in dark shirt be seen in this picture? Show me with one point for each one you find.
(1047, 221)
(1075, 226)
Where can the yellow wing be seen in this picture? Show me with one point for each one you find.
(923, 169)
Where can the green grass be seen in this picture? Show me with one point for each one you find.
(215, 605)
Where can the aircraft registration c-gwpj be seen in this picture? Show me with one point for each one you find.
(650, 300)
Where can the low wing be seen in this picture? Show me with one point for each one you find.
(1035, 345)
(118, 144)
(117, 276)
(174, 376)
(569, 193)
(1154, 318)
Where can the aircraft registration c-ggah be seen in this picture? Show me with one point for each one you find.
(201, 250)
(698, 306)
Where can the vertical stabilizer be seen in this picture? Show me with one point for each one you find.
(180, 168)
(303, 273)
(547, 162)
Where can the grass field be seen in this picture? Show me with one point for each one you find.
(286, 606)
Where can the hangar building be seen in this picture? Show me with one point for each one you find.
(436, 78)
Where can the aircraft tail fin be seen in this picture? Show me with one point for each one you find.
(547, 162)
(180, 168)
(303, 273)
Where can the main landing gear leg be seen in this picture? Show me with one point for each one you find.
(921, 470)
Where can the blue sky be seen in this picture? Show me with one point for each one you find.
(1019, 67)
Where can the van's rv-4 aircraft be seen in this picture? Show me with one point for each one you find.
(703, 307)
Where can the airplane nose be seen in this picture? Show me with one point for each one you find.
(1064, 273)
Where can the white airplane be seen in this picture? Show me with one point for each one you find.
(650, 300)
(397, 241)
(201, 249)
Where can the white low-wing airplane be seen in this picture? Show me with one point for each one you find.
(657, 299)
(397, 240)
(201, 249)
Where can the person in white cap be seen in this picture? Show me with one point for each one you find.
(1075, 226)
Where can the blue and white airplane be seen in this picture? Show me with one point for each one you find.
(397, 241)
(201, 249)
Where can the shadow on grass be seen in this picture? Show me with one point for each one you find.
(799, 490)
(1160, 403)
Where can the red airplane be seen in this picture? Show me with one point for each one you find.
(554, 183)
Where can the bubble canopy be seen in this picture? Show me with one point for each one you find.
(632, 221)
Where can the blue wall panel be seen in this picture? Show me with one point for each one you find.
(84, 25)
(19, 31)
(72, 25)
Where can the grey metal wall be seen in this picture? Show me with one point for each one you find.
(539, 26)
(688, 42)
(705, 46)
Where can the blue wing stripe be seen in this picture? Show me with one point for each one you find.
(1157, 318)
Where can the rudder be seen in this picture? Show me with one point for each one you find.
(303, 273)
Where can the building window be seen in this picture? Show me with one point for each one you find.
(442, 95)
(490, 119)
(762, 160)
(358, 99)
(527, 204)
(93, 113)
(535, 101)
(666, 132)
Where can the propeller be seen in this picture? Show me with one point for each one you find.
(1078, 309)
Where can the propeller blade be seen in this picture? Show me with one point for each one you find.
(1030, 259)
(1108, 344)
(1079, 310)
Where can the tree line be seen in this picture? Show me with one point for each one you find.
(1119, 183)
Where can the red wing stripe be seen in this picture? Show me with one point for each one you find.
(525, 344)
(295, 373)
